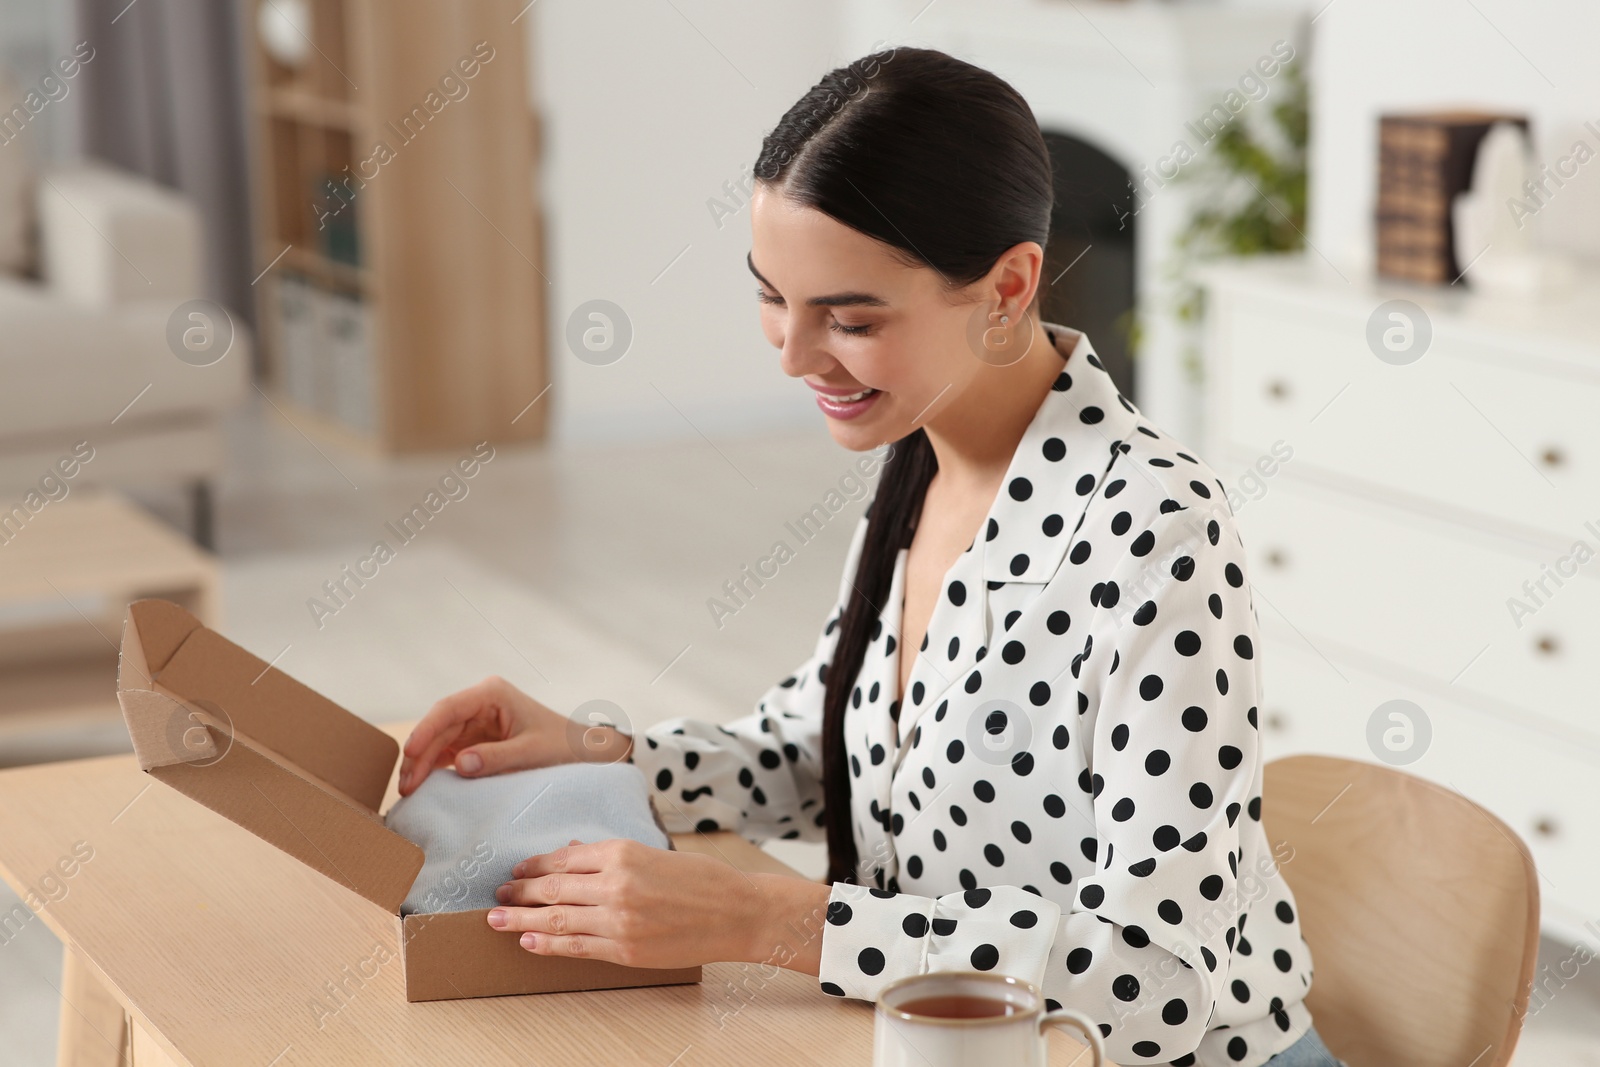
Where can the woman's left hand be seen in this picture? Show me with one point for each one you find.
(628, 903)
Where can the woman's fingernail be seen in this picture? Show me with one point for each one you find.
(502, 893)
(469, 763)
(497, 918)
(530, 942)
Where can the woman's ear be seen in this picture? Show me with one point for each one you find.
(1013, 281)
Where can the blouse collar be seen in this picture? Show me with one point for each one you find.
(1062, 458)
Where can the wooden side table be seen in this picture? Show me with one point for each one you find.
(66, 577)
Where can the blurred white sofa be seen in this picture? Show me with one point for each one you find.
(85, 354)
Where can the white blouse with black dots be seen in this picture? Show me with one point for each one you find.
(1070, 791)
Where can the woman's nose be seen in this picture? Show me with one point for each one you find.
(800, 355)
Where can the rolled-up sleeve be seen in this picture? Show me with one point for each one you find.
(874, 936)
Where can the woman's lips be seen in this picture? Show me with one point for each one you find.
(842, 405)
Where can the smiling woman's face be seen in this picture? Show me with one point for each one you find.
(849, 317)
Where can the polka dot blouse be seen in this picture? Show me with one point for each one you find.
(1070, 791)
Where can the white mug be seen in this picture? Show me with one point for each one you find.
(905, 1039)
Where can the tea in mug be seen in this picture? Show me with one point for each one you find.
(959, 1006)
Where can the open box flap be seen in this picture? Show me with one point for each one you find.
(246, 740)
(151, 634)
(302, 726)
(300, 816)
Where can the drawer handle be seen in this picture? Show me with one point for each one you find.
(1547, 827)
(1553, 457)
(1277, 721)
(1547, 645)
(1277, 558)
(1278, 389)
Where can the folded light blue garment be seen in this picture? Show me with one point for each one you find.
(474, 830)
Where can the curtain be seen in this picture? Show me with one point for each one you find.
(165, 97)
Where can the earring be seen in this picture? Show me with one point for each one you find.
(1004, 319)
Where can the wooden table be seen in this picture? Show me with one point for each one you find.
(191, 941)
(66, 577)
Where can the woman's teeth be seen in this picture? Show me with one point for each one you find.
(847, 406)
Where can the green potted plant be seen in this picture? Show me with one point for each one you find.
(1250, 186)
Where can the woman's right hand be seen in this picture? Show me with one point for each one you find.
(494, 727)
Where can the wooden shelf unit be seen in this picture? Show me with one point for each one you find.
(395, 197)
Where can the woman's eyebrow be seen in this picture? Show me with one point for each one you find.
(836, 300)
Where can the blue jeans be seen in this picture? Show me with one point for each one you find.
(1309, 1051)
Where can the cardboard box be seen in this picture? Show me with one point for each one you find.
(249, 742)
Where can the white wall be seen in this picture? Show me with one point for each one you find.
(1372, 56)
(649, 109)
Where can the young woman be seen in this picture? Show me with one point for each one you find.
(1028, 730)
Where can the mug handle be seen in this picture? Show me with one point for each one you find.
(1091, 1032)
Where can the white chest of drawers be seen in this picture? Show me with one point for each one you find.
(1426, 531)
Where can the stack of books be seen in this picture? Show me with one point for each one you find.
(1424, 160)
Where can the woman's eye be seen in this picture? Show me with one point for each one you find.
(833, 324)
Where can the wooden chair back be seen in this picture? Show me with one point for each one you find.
(1420, 907)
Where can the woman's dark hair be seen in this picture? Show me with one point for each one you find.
(944, 163)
